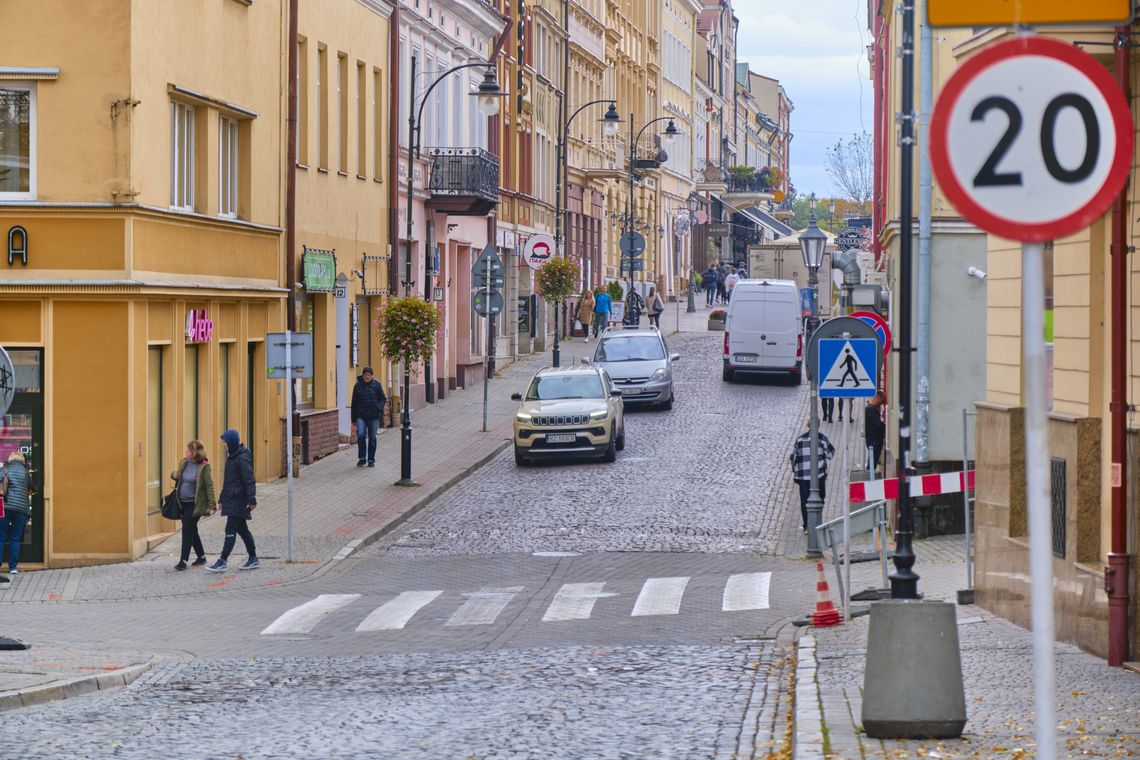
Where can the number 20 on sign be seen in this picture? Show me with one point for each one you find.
(1031, 139)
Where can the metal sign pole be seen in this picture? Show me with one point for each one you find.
(487, 351)
(1037, 493)
(289, 437)
(846, 533)
(966, 498)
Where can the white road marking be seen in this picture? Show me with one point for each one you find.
(748, 591)
(394, 615)
(483, 606)
(574, 601)
(304, 618)
(660, 596)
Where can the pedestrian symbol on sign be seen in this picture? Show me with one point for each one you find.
(851, 367)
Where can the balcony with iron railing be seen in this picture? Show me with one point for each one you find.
(463, 181)
(710, 177)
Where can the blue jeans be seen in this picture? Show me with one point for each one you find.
(709, 293)
(11, 534)
(601, 321)
(369, 428)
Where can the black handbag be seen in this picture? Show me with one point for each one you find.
(171, 506)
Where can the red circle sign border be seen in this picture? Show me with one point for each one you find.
(1007, 228)
(876, 321)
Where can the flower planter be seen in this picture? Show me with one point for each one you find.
(716, 324)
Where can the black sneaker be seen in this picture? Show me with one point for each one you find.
(180, 566)
(359, 462)
(371, 464)
(199, 562)
(250, 564)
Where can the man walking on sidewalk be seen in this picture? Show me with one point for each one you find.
(238, 499)
(602, 306)
(801, 468)
(368, 402)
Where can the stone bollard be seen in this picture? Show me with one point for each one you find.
(912, 685)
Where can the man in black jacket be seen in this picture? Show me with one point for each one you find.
(874, 429)
(238, 499)
(368, 402)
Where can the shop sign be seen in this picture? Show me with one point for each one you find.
(319, 271)
(199, 327)
(355, 317)
(17, 245)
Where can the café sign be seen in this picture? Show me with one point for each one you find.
(199, 327)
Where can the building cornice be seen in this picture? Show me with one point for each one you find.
(132, 286)
(139, 209)
(380, 7)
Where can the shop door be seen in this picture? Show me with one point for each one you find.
(22, 428)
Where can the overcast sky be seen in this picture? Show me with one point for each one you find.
(817, 49)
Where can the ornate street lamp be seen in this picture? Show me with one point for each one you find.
(670, 134)
(812, 242)
(690, 305)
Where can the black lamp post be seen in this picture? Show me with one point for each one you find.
(670, 134)
(690, 305)
(812, 242)
(611, 122)
(488, 96)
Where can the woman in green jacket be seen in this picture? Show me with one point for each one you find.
(196, 493)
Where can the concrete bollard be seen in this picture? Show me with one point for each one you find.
(912, 685)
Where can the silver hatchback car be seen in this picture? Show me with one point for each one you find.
(639, 363)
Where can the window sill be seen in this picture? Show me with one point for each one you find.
(1095, 569)
(342, 174)
(377, 179)
(16, 197)
(303, 166)
(322, 170)
(361, 176)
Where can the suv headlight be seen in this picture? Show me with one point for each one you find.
(523, 417)
(599, 415)
(660, 374)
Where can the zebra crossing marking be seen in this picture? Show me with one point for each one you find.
(304, 618)
(747, 591)
(483, 606)
(394, 615)
(660, 596)
(575, 601)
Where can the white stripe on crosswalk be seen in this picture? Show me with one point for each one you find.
(660, 596)
(574, 601)
(748, 591)
(482, 607)
(304, 618)
(394, 615)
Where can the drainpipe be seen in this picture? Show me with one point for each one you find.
(291, 172)
(394, 152)
(879, 170)
(925, 197)
(1117, 574)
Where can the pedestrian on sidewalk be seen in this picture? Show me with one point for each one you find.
(729, 283)
(15, 484)
(238, 500)
(850, 409)
(656, 306)
(368, 401)
(634, 305)
(708, 280)
(195, 485)
(602, 308)
(828, 407)
(801, 468)
(874, 429)
(586, 313)
(721, 276)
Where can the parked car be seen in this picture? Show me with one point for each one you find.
(640, 364)
(763, 330)
(569, 411)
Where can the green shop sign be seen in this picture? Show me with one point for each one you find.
(320, 270)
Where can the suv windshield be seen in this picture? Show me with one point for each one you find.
(639, 348)
(564, 386)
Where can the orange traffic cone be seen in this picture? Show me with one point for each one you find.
(825, 614)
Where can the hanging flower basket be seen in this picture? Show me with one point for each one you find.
(557, 280)
(406, 327)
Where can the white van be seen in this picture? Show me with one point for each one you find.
(763, 332)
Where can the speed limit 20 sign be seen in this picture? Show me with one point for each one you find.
(1031, 139)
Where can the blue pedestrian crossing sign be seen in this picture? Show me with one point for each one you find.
(848, 368)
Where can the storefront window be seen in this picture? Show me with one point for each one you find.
(224, 390)
(190, 402)
(155, 429)
(306, 324)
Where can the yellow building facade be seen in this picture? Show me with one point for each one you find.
(143, 185)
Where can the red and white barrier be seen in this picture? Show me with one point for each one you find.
(920, 485)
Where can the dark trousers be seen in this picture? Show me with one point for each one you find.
(721, 295)
(828, 409)
(601, 319)
(655, 319)
(12, 534)
(805, 491)
(237, 526)
(190, 537)
(877, 450)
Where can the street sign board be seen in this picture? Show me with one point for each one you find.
(7, 382)
(1031, 139)
(849, 368)
(850, 239)
(720, 229)
(301, 359)
(1027, 12)
(634, 265)
(632, 243)
(489, 255)
(538, 250)
(879, 325)
(487, 304)
(847, 328)
(479, 282)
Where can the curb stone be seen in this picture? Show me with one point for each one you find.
(808, 735)
(72, 687)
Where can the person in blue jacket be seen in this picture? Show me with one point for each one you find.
(368, 401)
(602, 310)
(238, 499)
(17, 507)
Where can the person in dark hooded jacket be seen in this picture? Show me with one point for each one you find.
(368, 402)
(238, 499)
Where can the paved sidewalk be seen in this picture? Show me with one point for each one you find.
(45, 674)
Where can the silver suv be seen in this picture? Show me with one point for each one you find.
(639, 363)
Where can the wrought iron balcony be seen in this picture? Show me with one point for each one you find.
(463, 181)
(747, 184)
(710, 177)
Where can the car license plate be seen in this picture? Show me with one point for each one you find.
(630, 391)
(561, 438)
(740, 358)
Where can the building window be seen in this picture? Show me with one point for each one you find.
(322, 109)
(182, 156)
(226, 352)
(17, 142)
(190, 400)
(303, 103)
(342, 113)
(377, 124)
(155, 429)
(361, 121)
(227, 167)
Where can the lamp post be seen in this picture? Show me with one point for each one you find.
(670, 134)
(487, 96)
(611, 123)
(812, 242)
(690, 305)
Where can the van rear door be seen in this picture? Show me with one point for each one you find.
(781, 331)
(745, 325)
